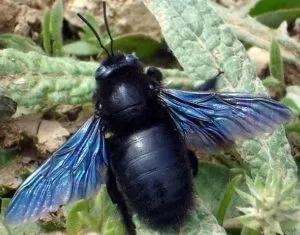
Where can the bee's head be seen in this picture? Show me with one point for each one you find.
(114, 63)
(123, 91)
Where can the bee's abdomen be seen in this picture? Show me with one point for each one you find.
(154, 175)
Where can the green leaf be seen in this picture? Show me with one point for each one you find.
(88, 220)
(87, 33)
(249, 231)
(294, 127)
(292, 98)
(210, 184)
(294, 231)
(111, 227)
(91, 39)
(81, 48)
(145, 47)
(225, 202)
(273, 19)
(110, 221)
(56, 21)
(292, 104)
(23, 229)
(276, 64)
(73, 223)
(88, 36)
(19, 42)
(203, 44)
(97, 214)
(271, 82)
(7, 155)
(263, 6)
(272, 13)
(4, 205)
(4, 230)
(7, 107)
(200, 221)
(30, 228)
(46, 33)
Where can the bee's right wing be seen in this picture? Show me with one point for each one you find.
(72, 173)
(210, 121)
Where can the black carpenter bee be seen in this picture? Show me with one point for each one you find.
(149, 158)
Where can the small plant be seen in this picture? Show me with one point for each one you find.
(87, 45)
(52, 30)
(273, 204)
(145, 47)
(276, 79)
(97, 214)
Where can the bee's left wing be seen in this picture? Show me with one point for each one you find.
(209, 121)
(71, 173)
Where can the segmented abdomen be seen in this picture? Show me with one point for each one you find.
(154, 175)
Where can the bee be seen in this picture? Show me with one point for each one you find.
(149, 158)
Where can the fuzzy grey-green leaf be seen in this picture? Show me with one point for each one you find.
(36, 81)
(19, 42)
(202, 42)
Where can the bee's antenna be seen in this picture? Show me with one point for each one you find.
(106, 26)
(94, 32)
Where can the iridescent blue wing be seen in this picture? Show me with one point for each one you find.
(72, 172)
(209, 121)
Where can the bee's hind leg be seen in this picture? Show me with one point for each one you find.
(118, 199)
(209, 84)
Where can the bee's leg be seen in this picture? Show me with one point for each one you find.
(210, 84)
(118, 199)
(154, 73)
(193, 161)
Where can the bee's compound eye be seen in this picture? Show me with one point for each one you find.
(154, 73)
